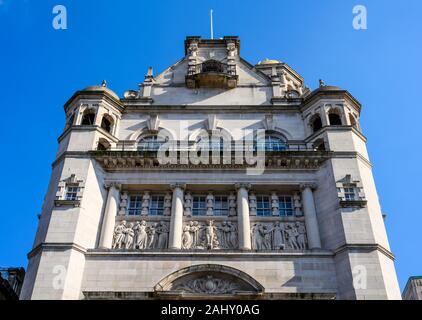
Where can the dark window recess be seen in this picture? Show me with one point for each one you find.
(106, 124)
(316, 124)
(335, 119)
(88, 119)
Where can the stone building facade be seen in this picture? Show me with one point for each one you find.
(413, 289)
(216, 178)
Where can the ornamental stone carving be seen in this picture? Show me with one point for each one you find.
(210, 204)
(252, 204)
(279, 236)
(297, 204)
(145, 203)
(141, 235)
(209, 285)
(210, 235)
(167, 204)
(123, 203)
(274, 204)
(188, 204)
(232, 204)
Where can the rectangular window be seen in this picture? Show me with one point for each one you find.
(285, 204)
(349, 193)
(263, 206)
(71, 193)
(199, 207)
(221, 206)
(135, 205)
(156, 205)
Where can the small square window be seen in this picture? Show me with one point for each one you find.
(199, 206)
(71, 193)
(135, 205)
(263, 206)
(285, 204)
(221, 206)
(157, 205)
(349, 193)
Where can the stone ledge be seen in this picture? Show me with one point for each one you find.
(207, 254)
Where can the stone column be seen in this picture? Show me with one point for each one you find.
(244, 226)
(176, 222)
(110, 213)
(311, 222)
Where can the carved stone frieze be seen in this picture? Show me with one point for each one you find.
(209, 235)
(209, 285)
(141, 235)
(278, 235)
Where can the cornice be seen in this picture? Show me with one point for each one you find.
(330, 94)
(118, 160)
(135, 106)
(201, 254)
(364, 247)
(89, 94)
(87, 128)
(55, 246)
(336, 128)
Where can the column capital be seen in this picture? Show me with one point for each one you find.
(244, 185)
(310, 185)
(114, 184)
(180, 185)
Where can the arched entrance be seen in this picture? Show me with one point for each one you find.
(208, 281)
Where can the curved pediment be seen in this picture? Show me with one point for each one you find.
(208, 280)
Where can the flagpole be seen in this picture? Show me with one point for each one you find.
(212, 32)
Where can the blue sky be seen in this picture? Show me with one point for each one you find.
(41, 67)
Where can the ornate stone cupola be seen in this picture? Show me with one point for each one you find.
(212, 62)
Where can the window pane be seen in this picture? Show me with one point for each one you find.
(135, 205)
(157, 205)
(198, 206)
(221, 206)
(285, 204)
(263, 206)
(71, 193)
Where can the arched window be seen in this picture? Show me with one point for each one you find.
(214, 143)
(107, 123)
(334, 118)
(272, 142)
(353, 121)
(316, 123)
(151, 142)
(88, 117)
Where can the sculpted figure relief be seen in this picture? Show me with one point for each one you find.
(167, 204)
(129, 235)
(252, 204)
(209, 235)
(118, 238)
(188, 204)
(145, 203)
(141, 235)
(279, 236)
(163, 235)
(274, 204)
(232, 204)
(210, 204)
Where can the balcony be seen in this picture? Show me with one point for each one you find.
(211, 74)
(291, 157)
